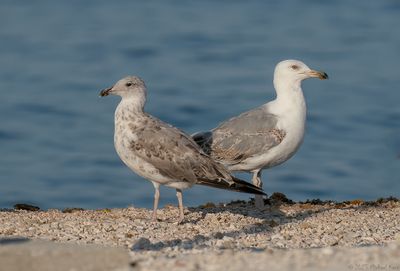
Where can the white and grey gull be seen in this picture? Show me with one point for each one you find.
(267, 135)
(160, 152)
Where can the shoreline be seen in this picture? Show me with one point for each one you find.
(211, 233)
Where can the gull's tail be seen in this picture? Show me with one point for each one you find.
(235, 184)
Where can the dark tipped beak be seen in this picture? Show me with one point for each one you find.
(323, 76)
(319, 74)
(105, 92)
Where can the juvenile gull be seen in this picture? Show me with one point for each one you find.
(160, 152)
(265, 136)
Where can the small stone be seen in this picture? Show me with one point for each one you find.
(26, 207)
(72, 210)
(187, 245)
(218, 235)
(368, 240)
(158, 245)
(277, 236)
(334, 241)
(208, 205)
(224, 243)
(273, 223)
(141, 244)
(199, 238)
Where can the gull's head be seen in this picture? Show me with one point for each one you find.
(296, 71)
(130, 86)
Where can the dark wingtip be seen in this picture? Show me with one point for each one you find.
(243, 186)
(237, 185)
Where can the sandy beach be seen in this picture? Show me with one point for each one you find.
(353, 235)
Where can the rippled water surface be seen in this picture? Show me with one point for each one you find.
(203, 61)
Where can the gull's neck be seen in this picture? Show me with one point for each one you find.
(129, 108)
(289, 96)
(288, 89)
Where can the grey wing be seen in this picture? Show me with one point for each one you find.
(254, 122)
(175, 154)
(250, 134)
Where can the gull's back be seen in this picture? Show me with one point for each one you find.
(250, 134)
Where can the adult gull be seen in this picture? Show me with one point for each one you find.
(162, 153)
(265, 136)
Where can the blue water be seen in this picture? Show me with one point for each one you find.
(203, 61)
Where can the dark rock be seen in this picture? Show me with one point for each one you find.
(72, 210)
(278, 197)
(141, 244)
(208, 205)
(13, 240)
(26, 207)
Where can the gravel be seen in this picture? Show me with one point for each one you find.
(212, 233)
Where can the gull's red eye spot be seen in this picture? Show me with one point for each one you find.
(294, 67)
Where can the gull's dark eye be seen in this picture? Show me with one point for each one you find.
(294, 67)
(128, 84)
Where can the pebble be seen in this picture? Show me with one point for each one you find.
(141, 243)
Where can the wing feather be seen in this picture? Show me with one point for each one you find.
(249, 134)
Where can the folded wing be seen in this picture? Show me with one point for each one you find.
(249, 134)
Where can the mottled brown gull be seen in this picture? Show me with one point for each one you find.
(265, 136)
(160, 152)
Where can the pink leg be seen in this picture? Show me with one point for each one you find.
(156, 198)
(258, 199)
(180, 203)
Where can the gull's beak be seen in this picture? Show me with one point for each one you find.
(320, 75)
(105, 92)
